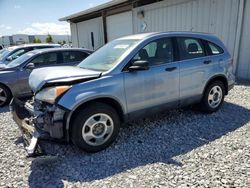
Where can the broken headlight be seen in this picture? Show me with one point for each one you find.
(50, 94)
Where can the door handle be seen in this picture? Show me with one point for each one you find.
(170, 69)
(207, 62)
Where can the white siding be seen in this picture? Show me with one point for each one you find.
(84, 33)
(243, 70)
(119, 25)
(74, 36)
(213, 16)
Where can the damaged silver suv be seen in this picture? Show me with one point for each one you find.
(128, 78)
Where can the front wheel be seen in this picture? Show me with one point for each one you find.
(213, 97)
(95, 127)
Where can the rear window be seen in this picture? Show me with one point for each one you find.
(214, 49)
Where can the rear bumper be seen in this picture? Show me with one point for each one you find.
(29, 133)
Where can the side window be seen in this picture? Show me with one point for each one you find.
(73, 56)
(45, 59)
(18, 53)
(190, 48)
(157, 52)
(41, 47)
(215, 50)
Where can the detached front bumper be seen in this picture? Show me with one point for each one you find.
(37, 122)
(29, 133)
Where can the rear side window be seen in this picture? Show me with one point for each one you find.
(214, 49)
(190, 48)
(42, 47)
(73, 56)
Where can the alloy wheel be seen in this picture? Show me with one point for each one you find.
(97, 129)
(215, 97)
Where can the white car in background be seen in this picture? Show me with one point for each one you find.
(11, 53)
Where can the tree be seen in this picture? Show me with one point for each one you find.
(63, 42)
(49, 39)
(36, 40)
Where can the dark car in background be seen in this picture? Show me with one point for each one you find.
(14, 76)
(11, 53)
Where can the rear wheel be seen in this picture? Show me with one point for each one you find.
(213, 97)
(5, 96)
(95, 127)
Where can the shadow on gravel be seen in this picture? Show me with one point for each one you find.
(4, 110)
(156, 139)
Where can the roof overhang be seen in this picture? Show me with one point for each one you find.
(93, 10)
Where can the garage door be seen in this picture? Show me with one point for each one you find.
(90, 33)
(119, 25)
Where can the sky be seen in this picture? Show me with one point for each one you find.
(39, 16)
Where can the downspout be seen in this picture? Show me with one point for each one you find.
(104, 22)
(77, 36)
(238, 35)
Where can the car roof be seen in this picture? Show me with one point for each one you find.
(45, 50)
(32, 45)
(143, 36)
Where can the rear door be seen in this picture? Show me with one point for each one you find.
(195, 65)
(157, 87)
(72, 57)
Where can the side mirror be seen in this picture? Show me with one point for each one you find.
(139, 65)
(9, 58)
(30, 66)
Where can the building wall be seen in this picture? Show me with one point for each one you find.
(20, 39)
(219, 17)
(119, 25)
(74, 35)
(243, 68)
(5, 41)
(25, 39)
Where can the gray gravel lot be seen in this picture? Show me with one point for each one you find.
(179, 148)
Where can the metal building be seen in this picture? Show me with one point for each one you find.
(228, 19)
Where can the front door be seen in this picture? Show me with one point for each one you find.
(159, 85)
(43, 60)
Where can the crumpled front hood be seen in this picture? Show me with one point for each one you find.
(42, 77)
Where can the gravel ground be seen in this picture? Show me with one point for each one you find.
(179, 148)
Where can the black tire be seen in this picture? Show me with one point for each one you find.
(5, 92)
(83, 115)
(204, 104)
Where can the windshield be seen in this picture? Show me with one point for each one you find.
(107, 57)
(3, 53)
(20, 60)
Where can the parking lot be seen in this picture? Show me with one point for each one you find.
(182, 148)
